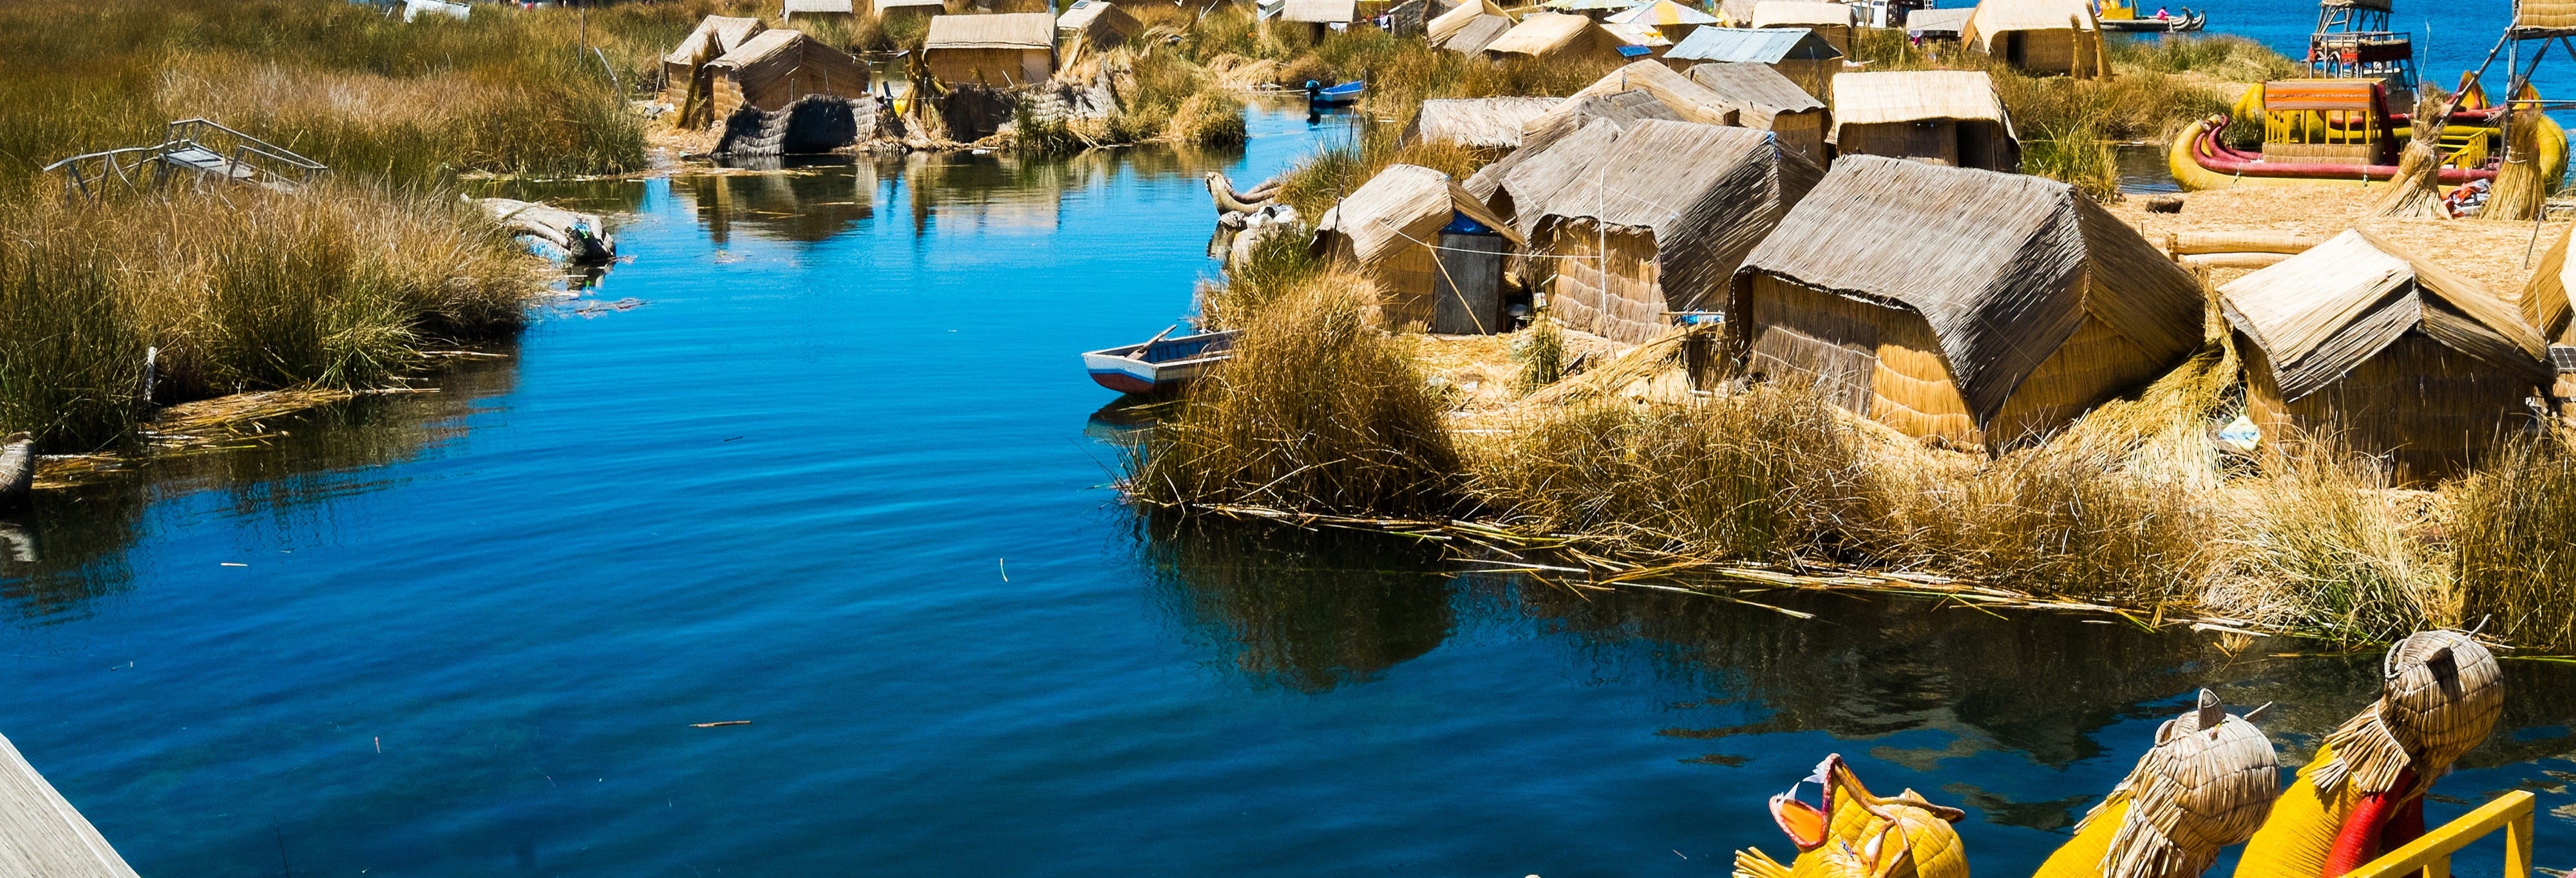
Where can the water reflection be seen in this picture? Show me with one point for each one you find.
(70, 547)
(807, 203)
(1286, 609)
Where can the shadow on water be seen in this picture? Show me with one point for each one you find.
(70, 547)
(1288, 609)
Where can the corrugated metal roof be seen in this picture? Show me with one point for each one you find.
(1769, 45)
(1009, 30)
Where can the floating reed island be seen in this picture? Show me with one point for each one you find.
(1897, 330)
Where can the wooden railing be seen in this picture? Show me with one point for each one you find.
(2431, 854)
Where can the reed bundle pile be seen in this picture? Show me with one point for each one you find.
(2416, 190)
(2519, 188)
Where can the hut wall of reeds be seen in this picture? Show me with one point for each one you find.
(1391, 226)
(1000, 50)
(713, 37)
(1943, 117)
(892, 8)
(794, 11)
(1656, 222)
(1765, 100)
(1984, 309)
(1480, 123)
(1830, 21)
(2362, 345)
(1797, 54)
(775, 68)
(2039, 36)
(1556, 36)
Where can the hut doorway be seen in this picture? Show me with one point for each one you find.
(1468, 283)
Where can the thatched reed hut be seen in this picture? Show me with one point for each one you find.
(1831, 21)
(1657, 222)
(1672, 21)
(1980, 308)
(808, 11)
(1098, 24)
(773, 69)
(2549, 299)
(1319, 15)
(1795, 53)
(1481, 123)
(2360, 343)
(1689, 101)
(893, 8)
(1003, 49)
(714, 36)
(1943, 117)
(1937, 25)
(1436, 251)
(1469, 27)
(1765, 100)
(2039, 36)
(1556, 36)
(1517, 186)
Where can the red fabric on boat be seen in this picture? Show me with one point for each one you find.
(2216, 155)
(2364, 829)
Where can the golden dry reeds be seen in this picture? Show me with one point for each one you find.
(1317, 411)
(2509, 532)
(2521, 187)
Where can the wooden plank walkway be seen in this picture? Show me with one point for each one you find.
(40, 833)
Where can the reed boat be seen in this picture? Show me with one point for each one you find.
(1159, 363)
(2342, 131)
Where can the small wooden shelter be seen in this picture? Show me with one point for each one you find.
(1830, 21)
(1657, 222)
(1795, 53)
(1765, 100)
(1097, 23)
(808, 11)
(2039, 36)
(1984, 309)
(1943, 117)
(775, 68)
(1002, 49)
(1436, 251)
(1481, 123)
(2361, 343)
(714, 36)
(1556, 36)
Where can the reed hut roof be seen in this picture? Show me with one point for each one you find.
(1478, 33)
(1447, 24)
(766, 45)
(2544, 15)
(1098, 16)
(1708, 193)
(932, 6)
(1916, 95)
(2321, 313)
(1005, 30)
(1539, 168)
(1801, 13)
(793, 8)
(1737, 13)
(2002, 267)
(1320, 11)
(1485, 123)
(1769, 45)
(1375, 215)
(1689, 101)
(1755, 88)
(2546, 299)
(2000, 16)
(1544, 34)
(1923, 22)
(717, 32)
(1662, 13)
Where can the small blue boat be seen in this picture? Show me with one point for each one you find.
(1343, 95)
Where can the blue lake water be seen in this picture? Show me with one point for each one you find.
(835, 475)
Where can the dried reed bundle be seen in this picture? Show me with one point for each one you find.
(2520, 188)
(2416, 191)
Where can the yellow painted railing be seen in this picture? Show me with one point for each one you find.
(2431, 854)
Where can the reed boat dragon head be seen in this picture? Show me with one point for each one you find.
(2205, 785)
(1851, 833)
